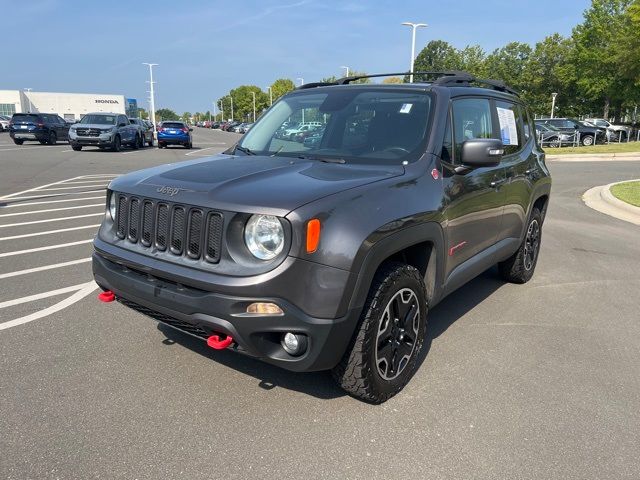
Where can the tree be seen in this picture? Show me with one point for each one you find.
(393, 80)
(473, 60)
(142, 113)
(352, 73)
(438, 55)
(243, 102)
(280, 87)
(508, 64)
(166, 114)
(595, 56)
(186, 117)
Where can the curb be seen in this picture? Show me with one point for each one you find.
(596, 157)
(601, 199)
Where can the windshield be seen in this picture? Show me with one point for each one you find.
(99, 119)
(372, 125)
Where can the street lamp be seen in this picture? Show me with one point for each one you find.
(254, 106)
(553, 103)
(28, 90)
(221, 110)
(231, 107)
(270, 96)
(301, 80)
(347, 69)
(153, 99)
(414, 27)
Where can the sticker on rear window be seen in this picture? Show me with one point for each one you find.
(508, 130)
(406, 107)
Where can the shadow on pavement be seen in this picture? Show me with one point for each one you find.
(320, 384)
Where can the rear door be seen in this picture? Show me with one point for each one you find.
(474, 198)
(519, 163)
(64, 128)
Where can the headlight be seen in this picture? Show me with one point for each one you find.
(112, 206)
(264, 236)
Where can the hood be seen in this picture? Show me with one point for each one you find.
(251, 184)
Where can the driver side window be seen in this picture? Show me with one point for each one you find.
(471, 119)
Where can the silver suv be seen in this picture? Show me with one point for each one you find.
(104, 130)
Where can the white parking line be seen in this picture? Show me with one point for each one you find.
(79, 295)
(48, 220)
(200, 150)
(70, 188)
(40, 296)
(102, 180)
(48, 232)
(50, 201)
(41, 249)
(47, 210)
(29, 148)
(44, 195)
(27, 271)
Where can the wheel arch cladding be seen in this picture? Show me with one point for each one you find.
(420, 246)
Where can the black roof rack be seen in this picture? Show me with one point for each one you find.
(443, 77)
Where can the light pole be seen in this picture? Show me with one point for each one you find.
(270, 96)
(153, 99)
(231, 107)
(221, 110)
(28, 90)
(414, 27)
(214, 111)
(553, 103)
(254, 106)
(347, 69)
(301, 80)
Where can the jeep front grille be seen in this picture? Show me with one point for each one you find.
(180, 230)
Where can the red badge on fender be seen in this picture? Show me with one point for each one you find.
(435, 174)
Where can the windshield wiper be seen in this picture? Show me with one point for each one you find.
(323, 159)
(244, 150)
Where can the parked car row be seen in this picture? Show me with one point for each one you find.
(109, 131)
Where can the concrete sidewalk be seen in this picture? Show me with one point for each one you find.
(596, 157)
(601, 199)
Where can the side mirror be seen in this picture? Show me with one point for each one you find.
(482, 152)
(191, 129)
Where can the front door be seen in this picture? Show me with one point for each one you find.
(474, 198)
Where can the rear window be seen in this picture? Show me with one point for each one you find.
(24, 118)
(172, 125)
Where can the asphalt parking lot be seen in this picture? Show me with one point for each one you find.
(532, 381)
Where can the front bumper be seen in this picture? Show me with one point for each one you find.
(202, 313)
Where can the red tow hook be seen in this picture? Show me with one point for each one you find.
(107, 296)
(214, 341)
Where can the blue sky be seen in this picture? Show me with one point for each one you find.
(205, 48)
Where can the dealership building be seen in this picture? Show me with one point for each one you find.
(70, 106)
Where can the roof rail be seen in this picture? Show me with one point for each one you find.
(467, 79)
(440, 77)
(437, 74)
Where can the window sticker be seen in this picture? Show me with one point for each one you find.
(508, 130)
(406, 107)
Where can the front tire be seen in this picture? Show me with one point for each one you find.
(587, 140)
(150, 143)
(520, 266)
(382, 357)
(136, 143)
(53, 138)
(76, 148)
(116, 145)
(18, 141)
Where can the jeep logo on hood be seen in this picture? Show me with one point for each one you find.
(171, 191)
(100, 100)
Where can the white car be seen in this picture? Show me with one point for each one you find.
(4, 123)
(619, 131)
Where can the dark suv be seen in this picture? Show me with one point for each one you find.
(329, 256)
(583, 134)
(46, 128)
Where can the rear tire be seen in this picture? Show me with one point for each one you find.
(383, 354)
(136, 143)
(161, 145)
(520, 266)
(18, 141)
(150, 143)
(188, 145)
(77, 148)
(53, 138)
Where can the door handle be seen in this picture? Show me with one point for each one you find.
(495, 183)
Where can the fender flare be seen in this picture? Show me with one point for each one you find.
(369, 259)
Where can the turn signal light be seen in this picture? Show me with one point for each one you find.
(313, 235)
(263, 308)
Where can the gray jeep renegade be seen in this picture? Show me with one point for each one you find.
(328, 254)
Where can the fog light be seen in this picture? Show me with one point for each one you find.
(260, 308)
(294, 344)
